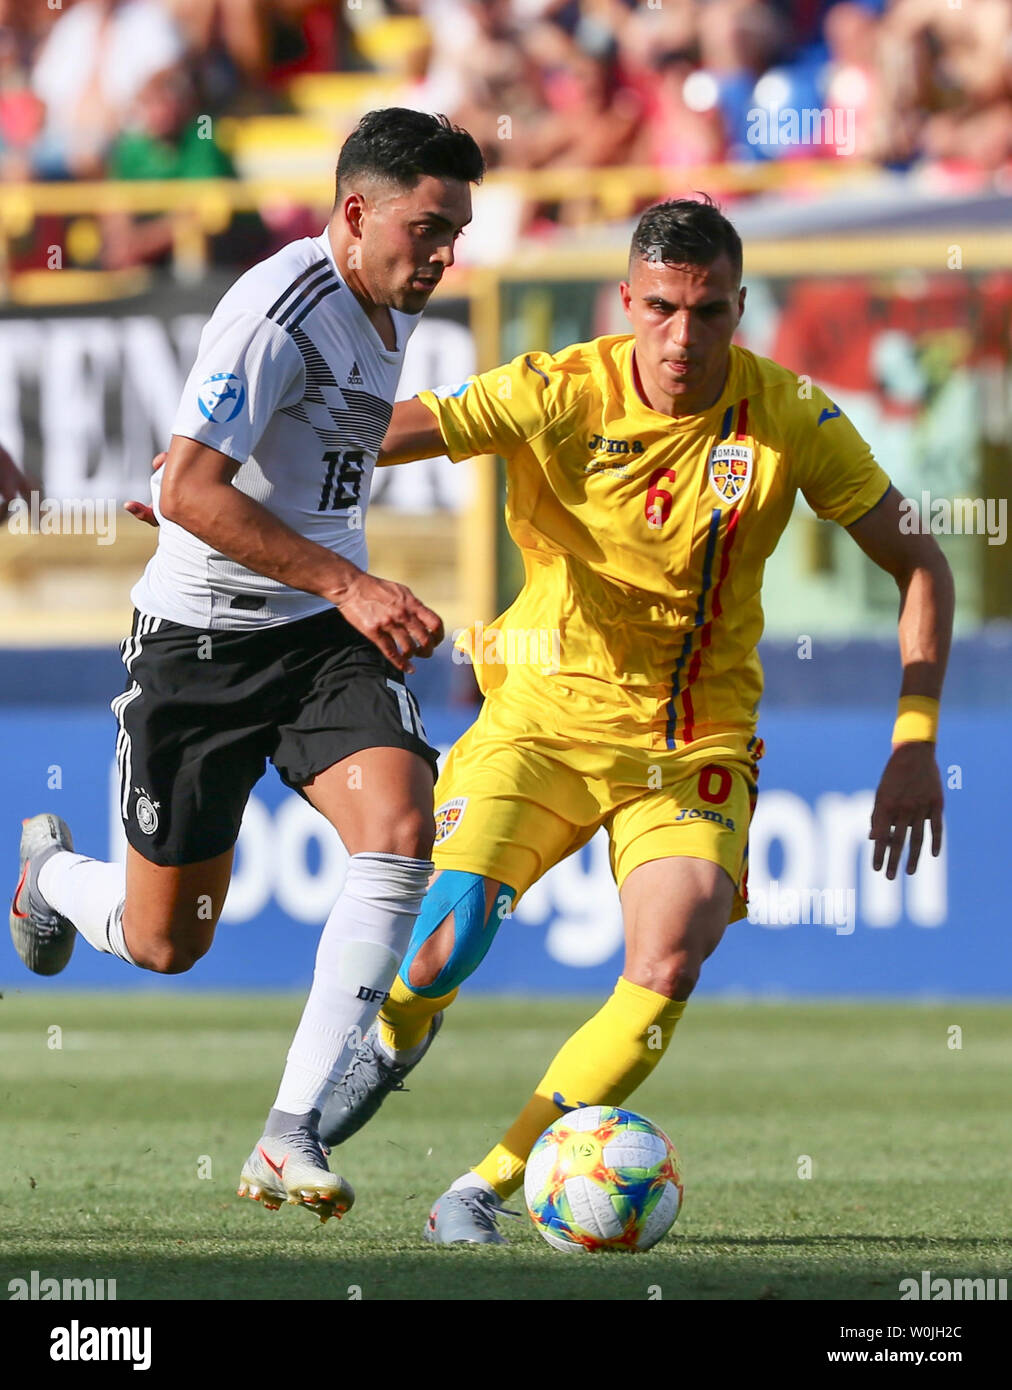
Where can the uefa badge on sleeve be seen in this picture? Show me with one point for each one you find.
(221, 397)
(730, 470)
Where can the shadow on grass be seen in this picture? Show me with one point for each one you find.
(737, 1268)
(899, 1242)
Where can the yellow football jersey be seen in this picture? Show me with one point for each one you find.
(644, 537)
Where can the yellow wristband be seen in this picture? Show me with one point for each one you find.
(916, 720)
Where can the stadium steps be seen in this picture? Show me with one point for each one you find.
(327, 105)
(342, 97)
(279, 146)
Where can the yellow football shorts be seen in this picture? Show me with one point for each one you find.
(511, 803)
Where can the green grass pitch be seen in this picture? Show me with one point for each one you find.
(122, 1148)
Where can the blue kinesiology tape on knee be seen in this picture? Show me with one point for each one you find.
(474, 929)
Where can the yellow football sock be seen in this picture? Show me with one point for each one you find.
(601, 1064)
(405, 1017)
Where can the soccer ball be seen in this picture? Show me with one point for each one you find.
(600, 1178)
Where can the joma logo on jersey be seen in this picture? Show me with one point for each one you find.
(694, 813)
(730, 470)
(600, 445)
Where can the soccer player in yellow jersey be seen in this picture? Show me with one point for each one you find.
(649, 477)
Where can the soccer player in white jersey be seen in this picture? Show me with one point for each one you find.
(259, 635)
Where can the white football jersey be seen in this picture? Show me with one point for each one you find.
(293, 381)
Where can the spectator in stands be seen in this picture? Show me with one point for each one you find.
(165, 139)
(595, 115)
(454, 32)
(541, 83)
(852, 79)
(683, 124)
(307, 36)
(21, 112)
(739, 40)
(228, 47)
(502, 98)
(90, 68)
(960, 103)
(236, 27)
(644, 34)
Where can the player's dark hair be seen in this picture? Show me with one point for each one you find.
(402, 146)
(686, 231)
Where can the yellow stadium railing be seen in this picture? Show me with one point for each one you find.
(610, 186)
(205, 206)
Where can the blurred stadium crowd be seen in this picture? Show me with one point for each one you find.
(111, 87)
(122, 89)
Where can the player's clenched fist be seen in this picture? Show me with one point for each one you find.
(141, 510)
(388, 614)
(392, 617)
(909, 794)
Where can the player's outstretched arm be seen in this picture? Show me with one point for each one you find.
(197, 494)
(413, 433)
(910, 791)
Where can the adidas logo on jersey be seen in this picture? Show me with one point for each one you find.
(354, 376)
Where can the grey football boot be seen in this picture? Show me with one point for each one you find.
(370, 1078)
(42, 938)
(466, 1216)
(291, 1167)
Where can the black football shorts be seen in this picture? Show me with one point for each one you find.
(203, 712)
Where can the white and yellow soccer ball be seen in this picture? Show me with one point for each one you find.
(600, 1178)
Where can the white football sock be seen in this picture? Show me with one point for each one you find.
(90, 893)
(361, 948)
(405, 1056)
(471, 1179)
(116, 939)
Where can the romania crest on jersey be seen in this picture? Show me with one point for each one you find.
(730, 470)
(448, 817)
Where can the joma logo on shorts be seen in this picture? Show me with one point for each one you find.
(696, 814)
